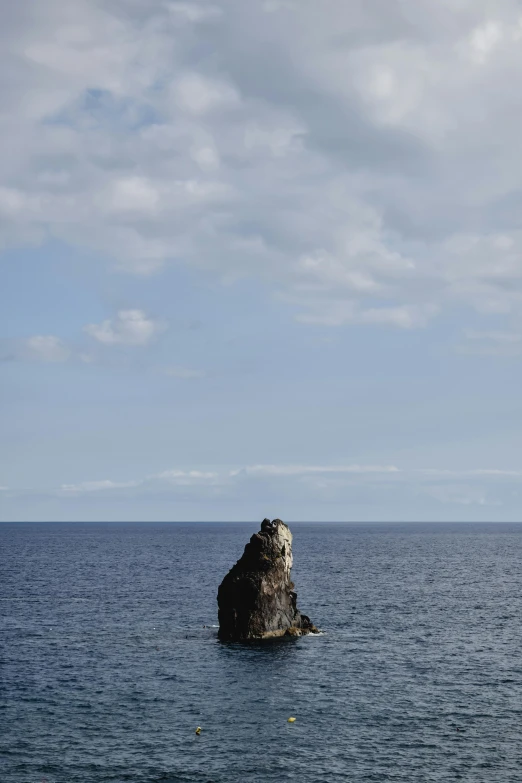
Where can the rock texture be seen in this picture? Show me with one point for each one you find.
(256, 599)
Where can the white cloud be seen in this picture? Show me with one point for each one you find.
(133, 194)
(273, 6)
(174, 478)
(303, 470)
(96, 486)
(350, 483)
(350, 491)
(130, 327)
(194, 12)
(477, 473)
(206, 157)
(495, 472)
(187, 478)
(484, 39)
(46, 348)
(368, 169)
(198, 95)
(337, 314)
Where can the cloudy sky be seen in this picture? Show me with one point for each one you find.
(261, 258)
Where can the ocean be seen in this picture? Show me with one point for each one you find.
(110, 658)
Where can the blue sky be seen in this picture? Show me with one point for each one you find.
(261, 259)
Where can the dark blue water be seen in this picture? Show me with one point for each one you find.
(107, 668)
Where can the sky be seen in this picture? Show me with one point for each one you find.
(259, 259)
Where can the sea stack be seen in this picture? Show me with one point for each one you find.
(256, 599)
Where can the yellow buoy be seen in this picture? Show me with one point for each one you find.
(291, 720)
(198, 730)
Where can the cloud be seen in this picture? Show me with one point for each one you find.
(303, 470)
(172, 478)
(290, 486)
(273, 6)
(130, 327)
(226, 492)
(133, 194)
(194, 12)
(184, 478)
(367, 171)
(483, 40)
(46, 348)
(477, 473)
(206, 157)
(197, 94)
(339, 314)
(96, 486)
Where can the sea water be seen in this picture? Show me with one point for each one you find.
(110, 657)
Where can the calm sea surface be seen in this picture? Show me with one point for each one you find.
(108, 664)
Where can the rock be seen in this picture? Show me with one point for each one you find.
(256, 599)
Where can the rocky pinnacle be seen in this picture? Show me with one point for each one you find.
(256, 599)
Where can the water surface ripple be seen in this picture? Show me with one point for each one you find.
(107, 666)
